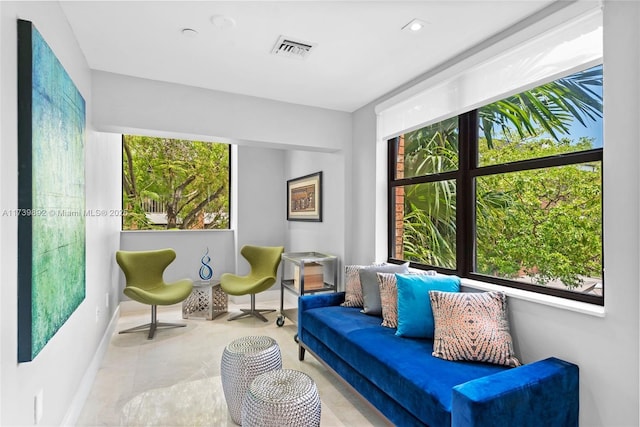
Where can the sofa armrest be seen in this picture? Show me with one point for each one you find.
(307, 302)
(543, 393)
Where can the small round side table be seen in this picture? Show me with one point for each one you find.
(279, 398)
(243, 360)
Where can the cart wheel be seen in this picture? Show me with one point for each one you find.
(280, 321)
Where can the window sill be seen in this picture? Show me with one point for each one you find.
(561, 303)
(176, 230)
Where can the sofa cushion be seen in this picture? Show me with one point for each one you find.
(472, 326)
(402, 368)
(415, 318)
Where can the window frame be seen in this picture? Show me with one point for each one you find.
(230, 192)
(468, 170)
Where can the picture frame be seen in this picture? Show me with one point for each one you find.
(304, 198)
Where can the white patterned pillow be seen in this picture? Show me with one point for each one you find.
(472, 326)
(389, 296)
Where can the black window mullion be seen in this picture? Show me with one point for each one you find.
(593, 155)
(424, 179)
(465, 197)
(392, 158)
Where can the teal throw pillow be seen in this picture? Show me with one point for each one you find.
(415, 317)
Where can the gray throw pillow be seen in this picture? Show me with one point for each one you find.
(371, 289)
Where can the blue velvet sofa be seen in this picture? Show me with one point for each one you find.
(410, 387)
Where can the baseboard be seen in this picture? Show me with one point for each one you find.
(73, 413)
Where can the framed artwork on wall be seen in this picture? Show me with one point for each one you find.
(304, 198)
(51, 194)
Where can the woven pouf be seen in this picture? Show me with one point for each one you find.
(282, 398)
(242, 361)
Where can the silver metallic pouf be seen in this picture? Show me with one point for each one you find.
(282, 398)
(242, 361)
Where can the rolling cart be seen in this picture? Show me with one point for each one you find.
(306, 273)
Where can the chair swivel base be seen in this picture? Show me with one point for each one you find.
(151, 327)
(246, 312)
(253, 311)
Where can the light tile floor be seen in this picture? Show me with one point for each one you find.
(174, 379)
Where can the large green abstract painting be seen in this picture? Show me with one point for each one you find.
(51, 194)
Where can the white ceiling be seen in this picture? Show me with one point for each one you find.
(360, 54)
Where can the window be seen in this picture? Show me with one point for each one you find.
(509, 193)
(174, 184)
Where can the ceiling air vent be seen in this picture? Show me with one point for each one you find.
(290, 48)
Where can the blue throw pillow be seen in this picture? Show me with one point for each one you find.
(415, 317)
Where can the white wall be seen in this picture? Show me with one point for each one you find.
(362, 230)
(327, 236)
(261, 203)
(259, 208)
(190, 247)
(606, 348)
(60, 369)
(133, 105)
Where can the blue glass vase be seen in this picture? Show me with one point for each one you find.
(206, 272)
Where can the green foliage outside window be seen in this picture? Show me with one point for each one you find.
(430, 209)
(432, 149)
(548, 223)
(430, 224)
(174, 184)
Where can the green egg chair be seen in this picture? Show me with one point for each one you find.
(264, 262)
(143, 272)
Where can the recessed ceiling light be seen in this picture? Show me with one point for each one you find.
(414, 26)
(189, 32)
(223, 22)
